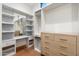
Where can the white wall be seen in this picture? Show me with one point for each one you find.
(36, 7)
(59, 15)
(60, 20)
(21, 6)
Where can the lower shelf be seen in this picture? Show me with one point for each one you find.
(10, 54)
(8, 51)
(30, 45)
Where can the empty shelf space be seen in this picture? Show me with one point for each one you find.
(29, 22)
(31, 45)
(7, 27)
(8, 51)
(6, 9)
(28, 33)
(6, 36)
(7, 14)
(7, 19)
(31, 42)
(28, 28)
(37, 43)
(29, 25)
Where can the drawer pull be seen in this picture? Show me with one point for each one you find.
(63, 39)
(46, 47)
(47, 36)
(63, 54)
(46, 42)
(46, 52)
(64, 46)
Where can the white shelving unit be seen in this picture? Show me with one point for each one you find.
(37, 44)
(29, 31)
(8, 31)
(37, 23)
(37, 31)
(29, 27)
(8, 42)
(30, 42)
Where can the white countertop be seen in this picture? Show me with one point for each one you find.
(20, 37)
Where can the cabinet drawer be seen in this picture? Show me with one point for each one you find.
(67, 44)
(8, 43)
(47, 36)
(47, 53)
(45, 47)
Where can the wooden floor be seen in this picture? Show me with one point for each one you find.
(27, 52)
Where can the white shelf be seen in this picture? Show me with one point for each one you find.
(7, 31)
(28, 25)
(31, 39)
(7, 23)
(20, 37)
(7, 14)
(30, 45)
(29, 20)
(29, 30)
(11, 54)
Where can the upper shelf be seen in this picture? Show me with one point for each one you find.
(29, 20)
(7, 23)
(53, 5)
(17, 11)
(7, 14)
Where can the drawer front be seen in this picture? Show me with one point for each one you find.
(8, 43)
(52, 51)
(77, 45)
(46, 53)
(67, 44)
(47, 36)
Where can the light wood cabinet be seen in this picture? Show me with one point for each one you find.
(77, 45)
(67, 44)
(58, 44)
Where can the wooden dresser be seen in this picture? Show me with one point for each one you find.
(54, 44)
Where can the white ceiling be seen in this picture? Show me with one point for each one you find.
(32, 4)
